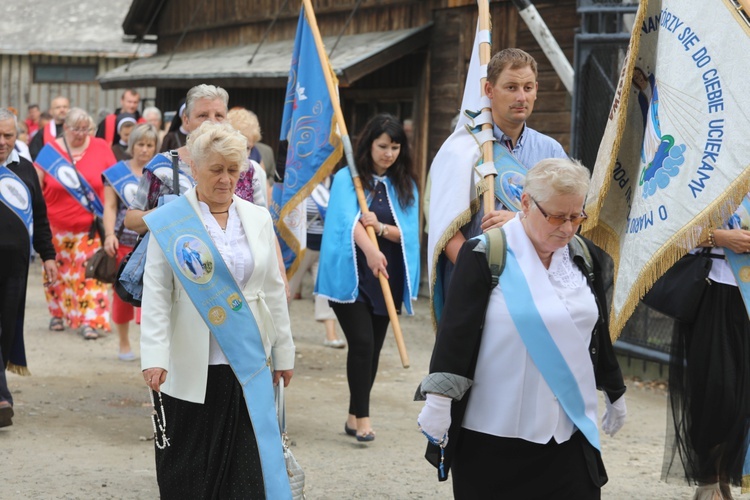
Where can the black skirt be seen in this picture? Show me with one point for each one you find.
(709, 391)
(486, 466)
(212, 452)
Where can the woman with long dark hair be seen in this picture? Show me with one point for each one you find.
(348, 273)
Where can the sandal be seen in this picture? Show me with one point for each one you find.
(88, 333)
(56, 325)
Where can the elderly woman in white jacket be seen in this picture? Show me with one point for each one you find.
(208, 447)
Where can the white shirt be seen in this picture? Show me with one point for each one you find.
(509, 396)
(234, 248)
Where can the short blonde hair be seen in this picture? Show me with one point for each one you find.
(556, 176)
(219, 138)
(76, 116)
(144, 131)
(246, 122)
(204, 91)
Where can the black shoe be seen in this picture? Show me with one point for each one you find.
(6, 414)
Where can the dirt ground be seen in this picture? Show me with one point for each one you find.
(82, 421)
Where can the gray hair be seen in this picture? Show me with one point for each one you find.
(144, 131)
(78, 115)
(557, 176)
(151, 110)
(203, 91)
(219, 138)
(6, 114)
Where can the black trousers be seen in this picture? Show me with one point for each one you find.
(13, 280)
(365, 333)
(487, 466)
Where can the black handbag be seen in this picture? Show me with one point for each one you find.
(679, 291)
(101, 266)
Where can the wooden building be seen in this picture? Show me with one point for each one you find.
(406, 57)
(58, 47)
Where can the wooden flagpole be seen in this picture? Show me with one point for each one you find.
(485, 53)
(325, 64)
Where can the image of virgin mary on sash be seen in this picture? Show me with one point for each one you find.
(16, 196)
(194, 258)
(122, 180)
(54, 164)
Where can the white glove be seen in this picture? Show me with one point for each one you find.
(614, 415)
(435, 418)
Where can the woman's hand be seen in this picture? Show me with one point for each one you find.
(737, 240)
(111, 244)
(154, 377)
(377, 263)
(285, 374)
(369, 219)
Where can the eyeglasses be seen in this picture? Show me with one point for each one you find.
(80, 130)
(558, 220)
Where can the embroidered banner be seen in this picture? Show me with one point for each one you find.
(672, 162)
(218, 298)
(308, 124)
(54, 164)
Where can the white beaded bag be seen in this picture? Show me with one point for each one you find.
(293, 468)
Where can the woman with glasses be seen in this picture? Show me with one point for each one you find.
(74, 300)
(511, 397)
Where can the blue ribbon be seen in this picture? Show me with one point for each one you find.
(218, 298)
(15, 194)
(542, 348)
(62, 170)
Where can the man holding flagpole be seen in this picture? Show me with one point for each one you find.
(455, 211)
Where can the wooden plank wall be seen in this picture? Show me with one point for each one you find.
(17, 87)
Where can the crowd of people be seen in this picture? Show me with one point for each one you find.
(215, 332)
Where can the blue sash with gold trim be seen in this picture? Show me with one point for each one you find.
(15, 194)
(122, 180)
(61, 169)
(191, 253)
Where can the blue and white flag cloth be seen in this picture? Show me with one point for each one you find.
(308, 124)
(64, 172)
(673, 161)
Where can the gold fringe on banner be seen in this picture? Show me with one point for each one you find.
(18, 370)
(689, 237)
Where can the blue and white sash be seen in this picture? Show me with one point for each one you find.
(122, 180)
(564, 380)
(54, 164)
(16, 196)
(191, 253)
(161, 167)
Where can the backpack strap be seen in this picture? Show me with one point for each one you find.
(578, 247)
(496, 248)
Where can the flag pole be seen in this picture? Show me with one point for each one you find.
(485, 52)
(387, 295)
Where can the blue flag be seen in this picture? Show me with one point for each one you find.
(308, 124)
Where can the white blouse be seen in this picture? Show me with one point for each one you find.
(235, 250)
(509, 396)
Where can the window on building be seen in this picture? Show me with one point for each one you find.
(64, 73)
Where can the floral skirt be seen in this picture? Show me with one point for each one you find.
(75, 299)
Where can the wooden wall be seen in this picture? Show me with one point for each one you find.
(17, 87)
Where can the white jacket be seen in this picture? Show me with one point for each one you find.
(173, 334)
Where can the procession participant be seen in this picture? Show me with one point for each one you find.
(23, 224)
(709, 372)
(511, 396)
(58, 109)
(32, 119)
(70, 171)
(215, 356)
(152, 115)
(350, 264)
(176, 137)
(511, 89)
(120, 184)
(107, 128)
(124, 124)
